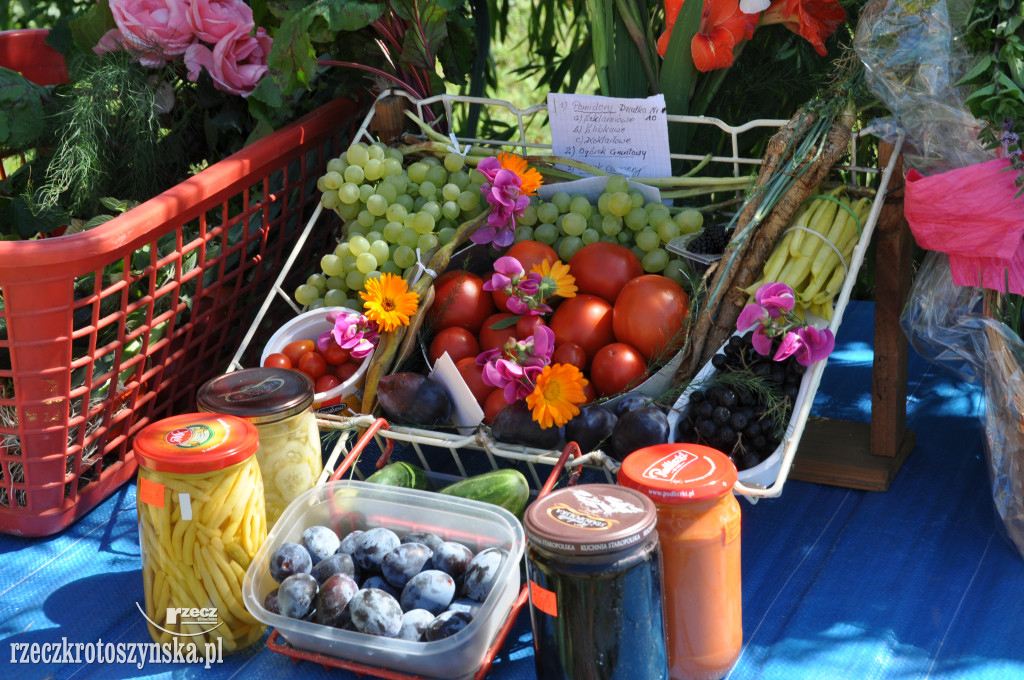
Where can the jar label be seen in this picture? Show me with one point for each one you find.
(189, 437)
(579, 519)
(150, 492)
(543, 599)
(248, 392)
(669, 467)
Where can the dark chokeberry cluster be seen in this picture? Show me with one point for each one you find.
(734, 415)
(711, 241)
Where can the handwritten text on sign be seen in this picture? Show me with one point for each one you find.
(618, 135)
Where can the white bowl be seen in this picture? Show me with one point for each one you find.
(348, 396)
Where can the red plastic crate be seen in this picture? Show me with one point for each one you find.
(113, 328)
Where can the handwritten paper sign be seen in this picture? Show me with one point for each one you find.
(617, 135)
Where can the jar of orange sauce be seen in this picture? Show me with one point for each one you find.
(699, 531)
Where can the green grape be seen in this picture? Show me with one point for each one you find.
(418, 204)
(657, 212)
(375, 274)
(639, 252)
(319, 281)
(426, 242)
(390, 166)
(341, 250)
(377, 151)
(580, 205)
(335, 298)
(388, 191)
(619, 204)
(356, 229)
(476, 177)
(390, 267)
(617, 183)
(637, 199)
(400, 182)
(333, 180)
(377, 233)
(675, 270)
(316, 304)
(423, 223)
(437, 175)
(336, 283)
(354, 279)
(654, 261)
(668, 230)
(451, 210)
(545, 232)
(573, 224)
(428, 189)
(305, 294)
(690, 220)
(595, 221)
(348, 192)
(380, 251)
(321, 186)
(568, 247)
(357, 154)
(365, 191)
(523, 233)
(406, 201)
(625, 237)
(468, 200)
(404, 257)
(602, 204)
(365, 218)
(348, 211)
(529, 216)
(408, 237)
(417, 171)
(547, 212)
(450, 192)
(376, 205)
(454, 161)
(337, 165)
(433, 208)
(331, 265)
(330, 200)
(355, 304)
(358, 245)
(647, 239)
(354, 174)
(391, 231)
(609, 239)
(366, 262)
(396, 212)
(636, 219)
(445, 234)
(590, 236)
(562, 200)
(348, 262)
(611, 225)
(391, 152)
(373, 170)
(459, 178)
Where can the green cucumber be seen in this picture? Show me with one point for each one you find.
(401, 474)
(506, 488)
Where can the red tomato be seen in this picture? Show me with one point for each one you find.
(312, 364)
(528, 253)
(347, 369)
(326, 382)
(603, 269)
(458, 342)
(650, 313)
(335, 354)
(460, 300)
(277, 360)
(473, 374)
(570, 353)
(585, 320)
(526, 324)
(616, 367)
(491, 337)
(295, 350)
(495, 402)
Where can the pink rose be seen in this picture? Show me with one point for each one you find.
(212, 20)
(111, 41)
(236, 63)
(157, 30)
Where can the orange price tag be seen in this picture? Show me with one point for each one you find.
(543, 599)
(151, 493)
(731, 530)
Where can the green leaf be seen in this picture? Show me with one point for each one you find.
(88, 27)
(292, 59)
(23, 114)
(678, 73)
(351, 16)
(425, 33)
(507, 322)
(979, 73)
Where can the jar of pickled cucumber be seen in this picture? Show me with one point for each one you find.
(279, 402)
(201, 521)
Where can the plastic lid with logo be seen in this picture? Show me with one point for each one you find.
(678, 473)
(260, 395)
(590, 519)
(194, 443)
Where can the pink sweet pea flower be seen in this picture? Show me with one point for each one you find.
(236, 63)
(808, 345)
(504, 194)
(351, 331)
(515, 367)
(775, 298)
(156, 30)
(212, 20)
(507, 270)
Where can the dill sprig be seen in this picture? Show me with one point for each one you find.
(775, 405)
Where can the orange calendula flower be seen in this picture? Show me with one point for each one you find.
(530, 176)
(556, 279)
(556, 398)
(388, 301)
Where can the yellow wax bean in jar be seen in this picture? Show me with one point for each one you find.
(192, 591)
(279, 402)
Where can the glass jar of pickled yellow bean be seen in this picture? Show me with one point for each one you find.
(279, 402)
(201, 521)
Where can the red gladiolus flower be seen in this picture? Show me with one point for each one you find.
(813, 20)
(722, 27)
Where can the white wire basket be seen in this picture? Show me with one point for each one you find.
(451, 456)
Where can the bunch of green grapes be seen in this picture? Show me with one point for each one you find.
(392, 206)
(569, 222)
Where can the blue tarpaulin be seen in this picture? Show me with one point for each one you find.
(916, 582)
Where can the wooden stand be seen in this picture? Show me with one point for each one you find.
(861, 455)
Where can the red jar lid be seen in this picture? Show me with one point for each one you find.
(678, 473)
(194, 443)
